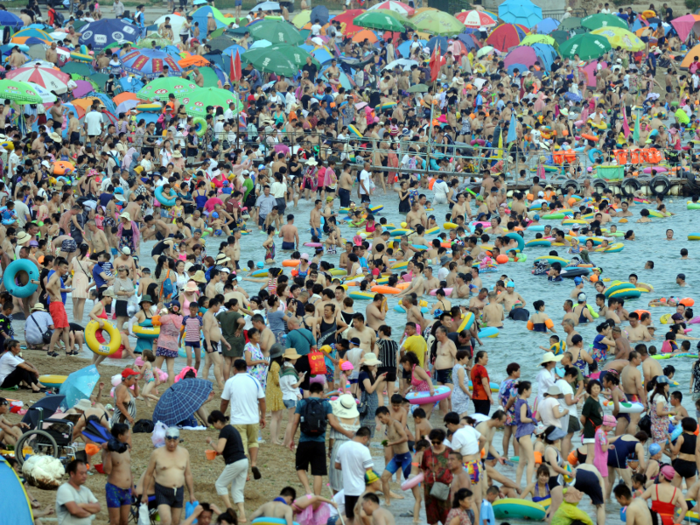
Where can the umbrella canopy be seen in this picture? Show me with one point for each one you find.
(219, 43)
(560, 36)
(196, 103)
(49, 78)
(193, 61)
(154, 41)
(485, 51)
(201, 15)
(180, 401)
(546, 54)
(475, 19)
(685, 24)
(45, 94)
(276, 31)
(619, 37)
(437, 40)
(469, 40)
(603, 20)
(122, 97)
(381, 21)
(347, 27)
(320, 15)
(689, 56)
(150, 63)
(18, 92)
(10, 20)
(107, 31)
(83, 88)
(76, 68)
(437, 23)
(587, 46)
(365, 34)
(322, 55)
(162, 87)
(538, 39)
(176, 22)
(402, 63)
(31, 36)
(570, 23)
(590, 69)
(521, 55)
(547, 25)
(302, 18)
(79, 385)
(401, 19)
(520, 12)
(399, 7)
(48, 404)
(418, 88)
(282, 59)
(266, 6)
(506, 36)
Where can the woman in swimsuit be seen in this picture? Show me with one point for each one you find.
(269, 245)
(539, 489)
(442, 303)
(611, 381)
(420, 381)
(99, 315)
(540, 321)
(665, 497)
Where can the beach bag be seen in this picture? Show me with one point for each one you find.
(317, 363)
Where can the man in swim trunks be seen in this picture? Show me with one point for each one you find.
(56, 307)
(117, 466)
(290, 234)
(170, 465)
(631, 382)
(467, 441)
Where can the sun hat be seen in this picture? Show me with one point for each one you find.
(276, 350)
(23, 238)
(291, 353)
(199, 277)
(191, 286)
(83, 404)
(549, 357)
(370, 359)
(346, 366)
(553, 391)
(345, 406)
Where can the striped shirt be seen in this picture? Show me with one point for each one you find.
(193, 327)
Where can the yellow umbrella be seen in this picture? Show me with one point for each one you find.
(301, 19)
(619, 37)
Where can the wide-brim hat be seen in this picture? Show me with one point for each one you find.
(276, 350)
(191, 286)
(291, 353)
(345, 406)
(146, 299)
(199, 277)
(549, 357)
(370, 359)
(23, 238)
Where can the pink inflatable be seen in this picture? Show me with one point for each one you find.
(448, 291)
(410, 483)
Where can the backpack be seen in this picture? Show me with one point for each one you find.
(144, 426)
(166, 288)
(313, 417)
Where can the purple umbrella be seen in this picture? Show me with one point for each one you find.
(84, 87)
(281, 148)
(521, 55)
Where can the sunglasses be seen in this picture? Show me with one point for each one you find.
(170, 438)
(436, 442)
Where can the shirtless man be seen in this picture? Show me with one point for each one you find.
(637, 331)
(56, 307)
(461, 289)
(430, 281)
(622, 344)
(638, 512)
(267, 337)
(650, 367)
(125, 259)
(397, 441)
(365, 334)
(134, 211)
(413, 313)
(290, 235)
(444, 362)
(170, 467)
(460, 209)
(380, 516)
(51, 54)
(375, 313)
(631, 382)
(493, 312)
(417, 283)
(569, 327)
(479, 301)
(460, 478)
(416, 216)
(116, 461)
(315, 220)
(212, 340)
(510, 297)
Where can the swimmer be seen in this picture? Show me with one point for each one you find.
(645, 216)
(669, 235)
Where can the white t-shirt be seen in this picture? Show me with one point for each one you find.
(67, 493)
(355, 459)
(8, 363)
(441, 188)
(316, 29)
(23, 213)
(93, 121)
(243, 391)
(546, 410)
(565, 388)
(339, 499)
(364, 179)
(466, 441)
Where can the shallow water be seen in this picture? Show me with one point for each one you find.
(514, 342)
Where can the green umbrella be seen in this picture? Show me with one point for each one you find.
(282, 59)
(437, 23)
(569, 23)
(402, 19)
(196, 103)
(77, 68)
(560, 36)
(587, 46)
(147, 43)
(276, 31)
(538, 39)
(19, 92)
(603, 20)
(99, 78)
(210, 77)
(381, 21)
(162, 87)
(418, 88)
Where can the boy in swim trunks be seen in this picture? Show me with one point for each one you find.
(398, 440)
(117, 466)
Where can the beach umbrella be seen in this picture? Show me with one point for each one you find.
(231, 50)
(266, 6)
(76, 68)
(219, 43)
(213, 76)
(365, 34)
(49, 405)
(521, 55)
(150, 63)
(619, 37)
(560, 36)
(176, 22)
(599, 20)
(259, 44)
(587, 46)
(399, 7)
(193, 61)
(538, 39)
(347, 27)
(320, 14)
(179, 402)
(401, 19)
(437, 23)
(99, 78)
(49, 78)
(302, 18)
(506, 36)
(520, 12)
(486, 50)
(162, 87)
(84, 87)
(546, 54)
(20, 92)
(437, 40)
(153, 41)
(403, 63)
(45, 94)
(79, 385)
(10, 20)
(547, 25)
(31, 36)
(381, 21)
(405, 48)
(476, 19)
(512, 67)
(685, 24)
(569, 23)
(322, 55)
(201, 15)
(689, 56)
(196, 103)
(103, 32)
(127, 106)
(418, 88)
(275, 31)
(469, 40)
(282, 59)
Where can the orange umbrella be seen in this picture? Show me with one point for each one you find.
(86, 103)
(369, 35)
(121, 97)
(193, 61)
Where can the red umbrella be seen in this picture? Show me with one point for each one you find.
(506, 36)
(346, 21)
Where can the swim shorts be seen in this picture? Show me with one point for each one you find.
(69, 246)
(170, 496)
(117, 497)
(474, 470)
(58, 314)
(402, 461)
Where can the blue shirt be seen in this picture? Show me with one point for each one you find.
(64, 295)
(318, 439)
(97, 270)
(486, 513)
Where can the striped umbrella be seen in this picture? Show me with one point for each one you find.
(180, 401)
(150, 63)
(31, 36)
(49, 78)
(399, 7)
(476, 19)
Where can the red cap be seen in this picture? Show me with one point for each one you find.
(128, 372)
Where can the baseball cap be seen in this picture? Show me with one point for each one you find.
(128, 372)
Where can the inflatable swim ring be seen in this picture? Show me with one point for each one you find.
(291, 263)
(424, 398)
(200, 126)
(8, 278)
(518, 509)
(99, 349)
(51, 380)
(161, 198)
(489, 331)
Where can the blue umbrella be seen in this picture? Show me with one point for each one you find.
(519, 67)
(10, 20)
(322, 55)
(546, 54)
(79, 385)
(231, 51)
(106, 100)
(405, 48)
(468, 40)
(107, 31)
(435, 40)
(181, 401)
(572, 96)
(547, 25)
(521, 12)
(131, 84)
(150, 63)
(319, 14)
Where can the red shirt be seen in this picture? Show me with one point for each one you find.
(477, 374)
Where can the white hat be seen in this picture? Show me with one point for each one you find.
(83, 404)
(126, 250)
(553, 391)
(126, 215)
(345, 407)
(370, 359)
(549, 357)
(23, 238)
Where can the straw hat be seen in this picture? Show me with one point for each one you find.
(191, 286)
(345, 406)
(199, 277)
(371, 359)
(177, 154)
(126, 215)
(23, 238)
(222, 259)
(83, 404)
(38, 307)
(291, 353)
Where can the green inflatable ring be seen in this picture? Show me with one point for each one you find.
(200, 126)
